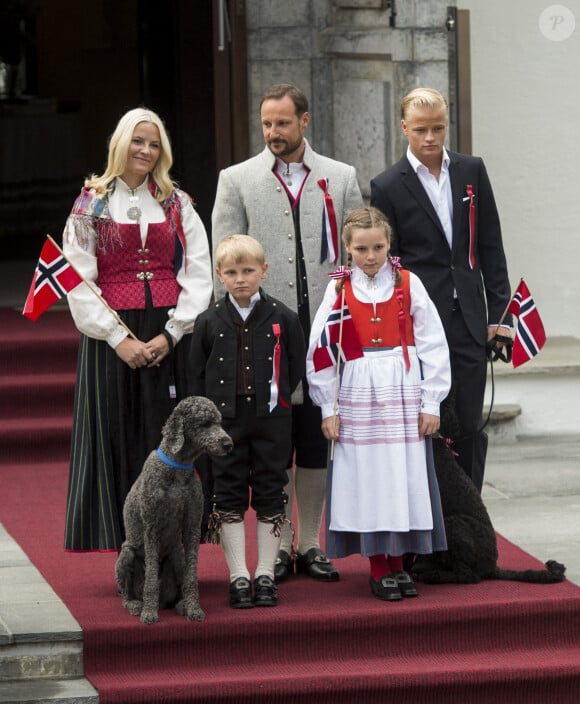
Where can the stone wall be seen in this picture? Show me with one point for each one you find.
(525, 57)
(353, 65)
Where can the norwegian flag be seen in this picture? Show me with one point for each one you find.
(326, 353)
(54, 278)
(530, 335)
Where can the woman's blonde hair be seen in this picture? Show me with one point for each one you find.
(365, 219)
(119, 143)
(239, 248)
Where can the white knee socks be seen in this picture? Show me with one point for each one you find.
(233, 540)
(310, 488)
(310, 497)
(268, 546)
(286, 542)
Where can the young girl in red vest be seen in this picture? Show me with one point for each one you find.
(383, 500)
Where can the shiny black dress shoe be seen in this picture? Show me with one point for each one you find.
(241, 594)
(284, 566)
(265, 591)
(406, 585)
(386, 588)
(315, 564)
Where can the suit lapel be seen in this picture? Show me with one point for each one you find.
(457, 193)
(263, 311)
(223, 313)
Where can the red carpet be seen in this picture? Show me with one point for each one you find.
(493, 642)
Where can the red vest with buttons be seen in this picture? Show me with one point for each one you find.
(381, 329)
(124, 269)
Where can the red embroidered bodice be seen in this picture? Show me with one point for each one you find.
(124, 269)
(381, 329)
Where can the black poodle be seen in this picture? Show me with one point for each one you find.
(471, 541)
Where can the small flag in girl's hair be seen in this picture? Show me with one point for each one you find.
(530, 335)
(54, 278)
(328, 350)
(343, 272)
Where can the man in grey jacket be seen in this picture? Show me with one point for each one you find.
(294, 201)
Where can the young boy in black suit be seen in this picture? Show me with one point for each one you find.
(248, 357)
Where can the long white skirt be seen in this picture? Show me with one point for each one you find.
(379, 477)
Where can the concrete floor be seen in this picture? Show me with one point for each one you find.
(532, 493)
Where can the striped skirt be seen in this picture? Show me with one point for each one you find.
(118, 416)
(383, 496)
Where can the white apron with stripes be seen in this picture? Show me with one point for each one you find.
(379, 480)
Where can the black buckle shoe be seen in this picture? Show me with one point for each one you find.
(284, 566)
(406, 585)
(241, 594)
(265, 591)
(386, 589)
(315, 564)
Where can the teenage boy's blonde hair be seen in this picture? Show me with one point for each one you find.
(422, 99)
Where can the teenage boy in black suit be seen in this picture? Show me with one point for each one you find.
(446, 230)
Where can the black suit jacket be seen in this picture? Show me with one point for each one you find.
(214, 356)
(419, 240)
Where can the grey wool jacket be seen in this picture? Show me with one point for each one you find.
(250, 200)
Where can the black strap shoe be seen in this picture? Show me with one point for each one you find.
(265, 591)
(315, 564)
(406, 585)
(241, 594)
(386, 589)
(284, 566)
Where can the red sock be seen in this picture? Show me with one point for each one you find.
(379, 566)
(396, 563)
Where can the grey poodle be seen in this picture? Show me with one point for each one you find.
(471, 554)
(157, 565)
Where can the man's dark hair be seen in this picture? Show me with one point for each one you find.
(281, 90)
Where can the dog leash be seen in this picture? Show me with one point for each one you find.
(492, 399)
(493, 353)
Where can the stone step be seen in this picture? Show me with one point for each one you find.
(502, 413)
(41, 656)
(502, 421)
(71, 691)
(546, 387)
(39, 637)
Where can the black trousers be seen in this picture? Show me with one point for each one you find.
(469, 376)
(254, 473)
(307, 439)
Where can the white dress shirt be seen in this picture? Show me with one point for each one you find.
(439, 191)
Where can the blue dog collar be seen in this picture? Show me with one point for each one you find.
(182, 466)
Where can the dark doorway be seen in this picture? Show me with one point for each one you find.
(81, 66)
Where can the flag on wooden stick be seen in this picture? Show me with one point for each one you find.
(332, 345)
(53, 278)
(530, 336)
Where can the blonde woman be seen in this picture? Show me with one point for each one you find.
(136, 238)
